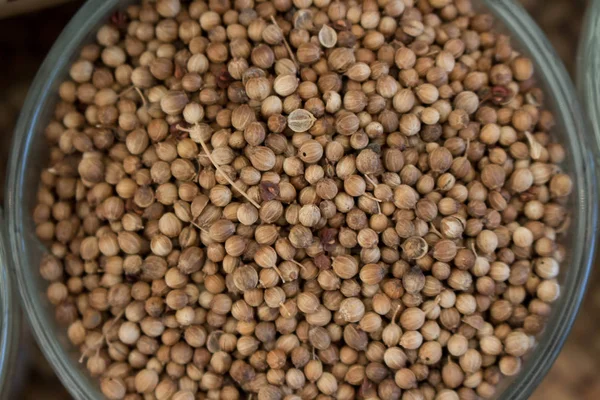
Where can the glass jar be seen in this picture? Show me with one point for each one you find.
(29, 152)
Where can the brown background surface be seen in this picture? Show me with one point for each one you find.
(24, 42)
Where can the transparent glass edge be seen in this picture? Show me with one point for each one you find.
(518, 21)
(10, 319)
(55, 63)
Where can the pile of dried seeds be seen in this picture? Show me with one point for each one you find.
(302, 199)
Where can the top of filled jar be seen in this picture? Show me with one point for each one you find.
(305, 199)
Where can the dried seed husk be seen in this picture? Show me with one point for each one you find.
(476, 321)
(535, 147)
(327, 36)
(300, 120)
(414, 280)
(355, 337)
(415, 247)
(341, 58)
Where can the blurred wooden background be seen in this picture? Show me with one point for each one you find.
(24, 42)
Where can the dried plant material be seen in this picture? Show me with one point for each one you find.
(102, 338)
(303, 19)
(269, 191)
(224, 78)
(377, 223)
(535, 148)
(212, 342)
(499, 95)
(322, 261)
(287, 45)
(434, 230)
(327, 36)
(415, 247)
(534, 97)
(300, 120)
(476, 321)
(328, 236)
(209, 155)
(566, 224)
(137, 89)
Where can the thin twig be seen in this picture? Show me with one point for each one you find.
(209, 155)
(434, 230)
(368, 196)
(125, 91)
(473, 248)
(139, 91)
(298, 264)
(371, 180)
(286, 44)
(395, 314)
(282, 305)
(375, 184)
(103, 337)
(279, 273)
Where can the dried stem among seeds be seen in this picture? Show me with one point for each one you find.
(198, 135)
(534, 146)
(287, 45)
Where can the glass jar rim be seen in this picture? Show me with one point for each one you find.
(9, 321)
(559, 85)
